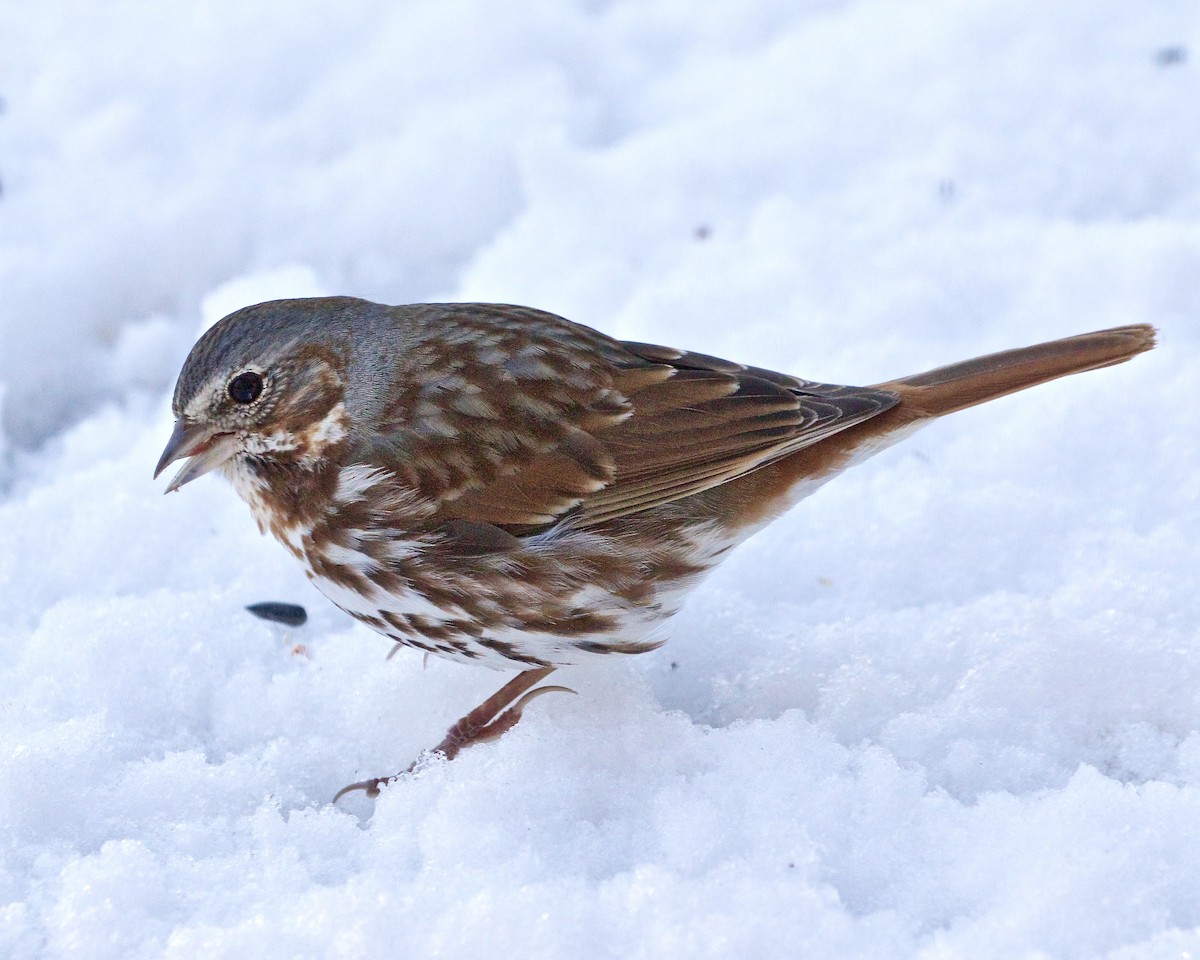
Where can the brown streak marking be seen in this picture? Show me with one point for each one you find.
(510, 652)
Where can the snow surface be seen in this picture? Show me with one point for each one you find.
(948, 707)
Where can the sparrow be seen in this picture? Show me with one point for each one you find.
(497, 485)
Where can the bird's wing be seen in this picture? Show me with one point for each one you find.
(711, 421)
(518, 419)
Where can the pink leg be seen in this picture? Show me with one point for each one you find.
(486, 722)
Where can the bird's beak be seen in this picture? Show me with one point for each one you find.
(206, 448)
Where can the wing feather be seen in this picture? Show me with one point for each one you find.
(530, 420)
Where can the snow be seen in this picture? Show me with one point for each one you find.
(947, 707)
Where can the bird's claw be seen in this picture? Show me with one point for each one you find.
(510, 717)
(369, 787)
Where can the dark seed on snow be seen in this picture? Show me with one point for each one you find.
(290, 614)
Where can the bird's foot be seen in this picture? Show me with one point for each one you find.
(498, 714)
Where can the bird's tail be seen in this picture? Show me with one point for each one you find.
(962, 385)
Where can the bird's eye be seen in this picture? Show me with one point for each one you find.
(246, 387)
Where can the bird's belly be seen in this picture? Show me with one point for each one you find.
(505, 632)
(551, 603)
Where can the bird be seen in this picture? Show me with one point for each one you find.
(498, 485)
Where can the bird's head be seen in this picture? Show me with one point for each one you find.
(264, 383)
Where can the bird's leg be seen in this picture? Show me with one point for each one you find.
(486, 722)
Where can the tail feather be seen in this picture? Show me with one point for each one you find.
(961, 385)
